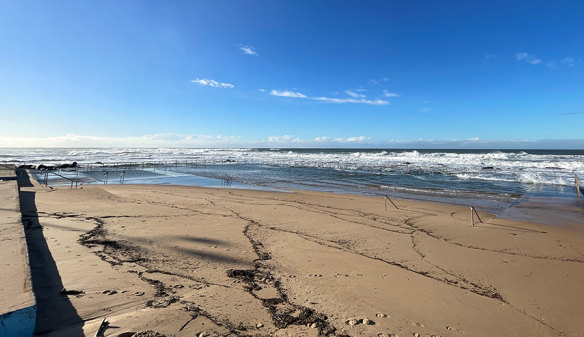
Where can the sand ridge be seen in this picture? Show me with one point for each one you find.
(186, 260)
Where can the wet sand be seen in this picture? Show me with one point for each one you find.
(184, 261)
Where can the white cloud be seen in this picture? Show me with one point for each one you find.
(285, 139)
(526, 57)
(531, 59)
(426, 109)
(350, 100)
(287, 93)
(172, 140)
(294, 94)
(569, 61)
(248, 50)
(389, 94)
(354, 94)
(380, 80)
(262, 90)
(357, 139)
(212, 83)
(154, 140)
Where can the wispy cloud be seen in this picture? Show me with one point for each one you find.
(426, 109)
(389, 94)
(532, 59)
(286, 93)
(358, 139)
(569, 61)
(153, 140)
(283, 139)
(354, 94)
(212, 83)
(574, 113)
(526, 57)
(248, 50)
(293, 94)
(350, 100)
(173, 140)
(378, 80)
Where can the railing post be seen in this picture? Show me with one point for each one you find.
(473, 211)
(386, 199)
(577, 181)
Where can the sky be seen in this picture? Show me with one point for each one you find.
(292, 73)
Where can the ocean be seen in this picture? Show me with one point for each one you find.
(489, 179)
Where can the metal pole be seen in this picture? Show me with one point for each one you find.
(577, 181)
(391, 201)
(475, 211)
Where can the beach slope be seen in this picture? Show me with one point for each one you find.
(185, 260)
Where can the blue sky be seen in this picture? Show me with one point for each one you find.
(294, 73)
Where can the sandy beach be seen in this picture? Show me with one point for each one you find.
(186, 261)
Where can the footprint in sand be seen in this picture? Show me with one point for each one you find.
(364, 321)
(367, 321)
(352, 321)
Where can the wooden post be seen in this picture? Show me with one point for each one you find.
(577, 181)
(471, 216)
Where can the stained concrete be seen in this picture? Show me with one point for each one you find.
(17, 307)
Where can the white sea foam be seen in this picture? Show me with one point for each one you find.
(523, 167)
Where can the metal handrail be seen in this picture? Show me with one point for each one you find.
(72, 180)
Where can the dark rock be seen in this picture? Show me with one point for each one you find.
(72, 165)
(43, 167)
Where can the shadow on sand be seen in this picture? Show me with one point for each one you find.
(55, 313)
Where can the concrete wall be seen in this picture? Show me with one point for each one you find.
(17, 302)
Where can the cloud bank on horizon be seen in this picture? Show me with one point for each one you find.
(171, 140)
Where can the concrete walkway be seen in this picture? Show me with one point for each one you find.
(17, 307)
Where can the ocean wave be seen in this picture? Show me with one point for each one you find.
(502, 166)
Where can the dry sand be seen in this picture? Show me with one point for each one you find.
(184, 261)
